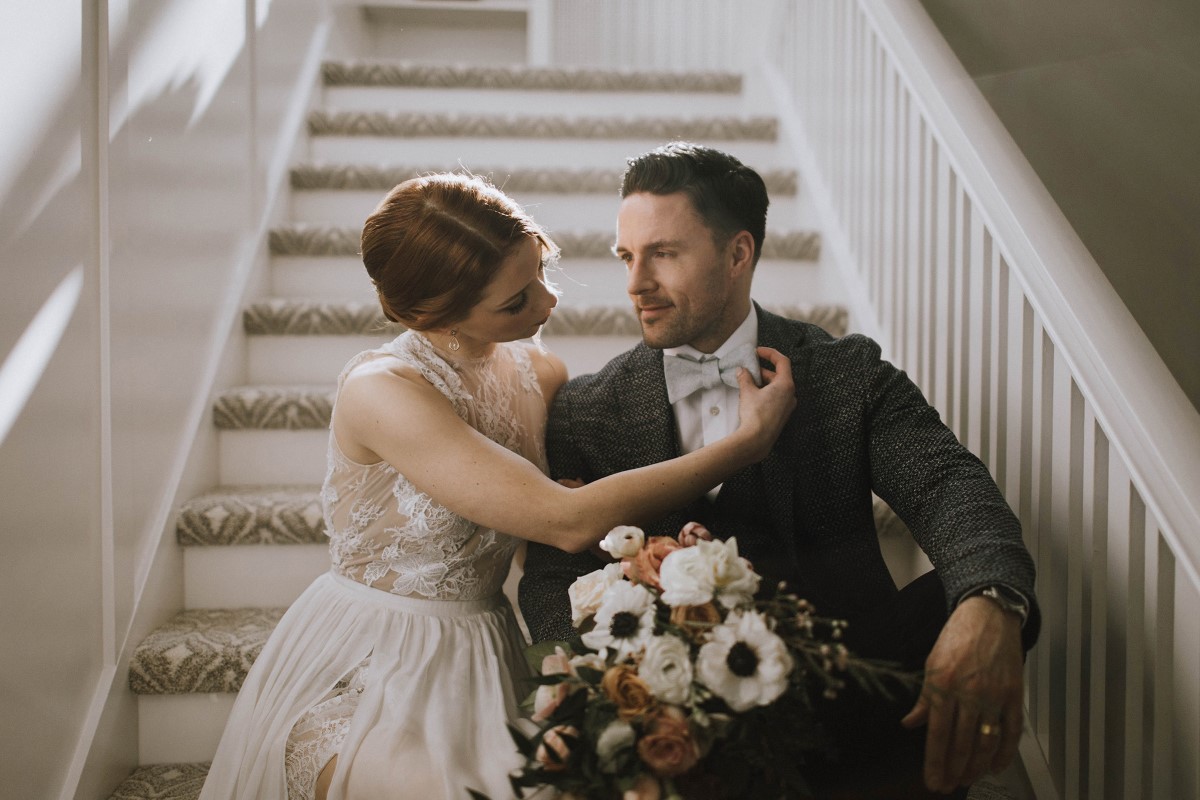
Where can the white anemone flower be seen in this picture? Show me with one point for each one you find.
(624, 621)
(744, 663)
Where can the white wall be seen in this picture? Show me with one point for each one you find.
(142, 143)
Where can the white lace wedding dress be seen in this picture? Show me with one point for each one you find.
(404, 659)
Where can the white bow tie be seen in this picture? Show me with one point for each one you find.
(686, 375)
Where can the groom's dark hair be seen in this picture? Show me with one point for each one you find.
(728, 195)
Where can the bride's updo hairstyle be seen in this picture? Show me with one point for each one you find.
(435, 242)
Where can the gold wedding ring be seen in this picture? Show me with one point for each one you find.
(987, 729)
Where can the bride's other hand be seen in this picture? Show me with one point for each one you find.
(762, 412)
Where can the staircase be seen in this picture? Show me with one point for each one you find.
(556, 140)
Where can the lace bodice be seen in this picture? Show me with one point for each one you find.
(386, 533)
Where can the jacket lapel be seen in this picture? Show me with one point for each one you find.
(777, 470)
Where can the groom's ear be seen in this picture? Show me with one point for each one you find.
(741, 253)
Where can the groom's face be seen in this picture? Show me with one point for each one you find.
(679, 279)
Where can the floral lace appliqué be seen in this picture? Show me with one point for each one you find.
(387, 533)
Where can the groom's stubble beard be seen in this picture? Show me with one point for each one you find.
(705, 318)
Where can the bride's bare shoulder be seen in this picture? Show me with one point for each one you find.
(550, 369)
(385, 375)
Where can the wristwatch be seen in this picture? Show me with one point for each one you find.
(1008, 599)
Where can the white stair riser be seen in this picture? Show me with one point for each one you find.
(582, 281)
(531, 101)
(328, 278)
(554, 212)
(181, 728)
(283, 360)
(585, 354)
(272, 457)
(246, 576)
(482, 153)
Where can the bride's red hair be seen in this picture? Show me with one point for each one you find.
(434, 243)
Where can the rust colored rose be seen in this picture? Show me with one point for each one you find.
(667, 746)
(696, 620)
(645, 565)
(556, 741)
(631, 694)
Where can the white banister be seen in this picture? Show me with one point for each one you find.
(976, 284)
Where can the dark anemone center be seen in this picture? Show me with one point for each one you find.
(623, 625)
(742, 660)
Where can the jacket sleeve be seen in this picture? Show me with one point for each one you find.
(942, 491)
(549, 572)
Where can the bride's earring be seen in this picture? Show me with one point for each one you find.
(454, 345)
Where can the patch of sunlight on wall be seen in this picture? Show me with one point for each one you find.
(191, 43)
(39, 48)
(26, 362)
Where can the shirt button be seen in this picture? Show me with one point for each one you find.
(714, 410)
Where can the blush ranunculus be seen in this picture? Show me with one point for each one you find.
(692, 533)
(558, 740)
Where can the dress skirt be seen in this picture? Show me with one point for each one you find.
(444, 679)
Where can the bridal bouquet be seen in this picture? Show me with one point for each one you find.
(686, 681)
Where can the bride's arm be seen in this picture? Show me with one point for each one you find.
(397, 416)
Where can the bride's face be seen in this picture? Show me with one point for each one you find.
(515, 304)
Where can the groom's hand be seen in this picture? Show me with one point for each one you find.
(972, 697)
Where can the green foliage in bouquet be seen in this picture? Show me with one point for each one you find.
(685, 680)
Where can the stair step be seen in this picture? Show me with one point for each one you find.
(163, 782)
(523, 151)
(257, 456)
(201, 651)
(513, 179)
(291, 345)
(300, 239)
(252, 575)
(335, 122)
(582, 281)
(554, 212)
(251, 515)
(290, 408)
(298, 317)
(574, 79)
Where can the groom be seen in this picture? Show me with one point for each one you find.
(690, 231)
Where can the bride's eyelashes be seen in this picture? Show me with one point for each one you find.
(519, 306)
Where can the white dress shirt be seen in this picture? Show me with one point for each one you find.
(710, 415)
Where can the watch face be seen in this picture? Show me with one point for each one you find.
(1007, 599)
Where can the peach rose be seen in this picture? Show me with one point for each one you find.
(696, 620)
(556, 741)
(643, 568)
(667, 746)
(631, 694)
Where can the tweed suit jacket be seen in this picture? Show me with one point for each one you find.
(804, 514)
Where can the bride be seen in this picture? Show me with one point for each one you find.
(395, 673)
